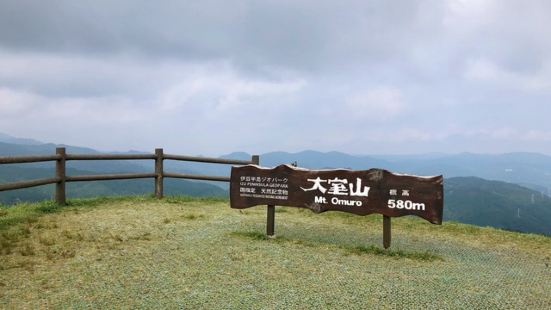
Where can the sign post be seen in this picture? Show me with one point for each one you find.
(360, 192)
(386, 232)
(270, 224)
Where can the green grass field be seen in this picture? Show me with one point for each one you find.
(190, 253)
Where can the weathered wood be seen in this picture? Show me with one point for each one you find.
(159, 173)
(61, 178)
(270, 209)
(196, 177)
(386, 231)
(207, 159)
(25, 184)
(270, 222)
(103, 177)
(27, 159)
(60, 196)
(110, 156)
(255, 160)
(359, 192)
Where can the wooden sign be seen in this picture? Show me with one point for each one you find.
(360, 192)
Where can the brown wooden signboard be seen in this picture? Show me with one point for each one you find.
(360, 192)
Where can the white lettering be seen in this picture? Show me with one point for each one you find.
(359, 191)
(317, 185)
(405, 204)
(345, 202)
(320, 199)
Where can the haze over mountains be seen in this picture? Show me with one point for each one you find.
(510, 191)
(532, 170)
(15, 172)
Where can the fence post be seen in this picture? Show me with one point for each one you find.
(60, 175)
(255, 159)
(159, 173)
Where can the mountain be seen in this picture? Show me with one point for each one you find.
(314, 159)
(469, 196)
(15, 172)
(529, 169)
(306, 159)
(472, 200)
(10, 149)
(14, 140)
(96, 188)
(498, 204)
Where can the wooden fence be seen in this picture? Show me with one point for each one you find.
(61, 157)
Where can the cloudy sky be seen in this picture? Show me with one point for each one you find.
(212, 77)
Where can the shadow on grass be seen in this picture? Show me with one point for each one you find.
(349, 249)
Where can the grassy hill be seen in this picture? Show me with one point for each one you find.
(198, 253)
(498, 204)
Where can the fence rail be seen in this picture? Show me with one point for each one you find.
(104, 177)
(207, 159)
(27, 159)
(61, 157)
(25, 184)
(109, 156)
(197, 177)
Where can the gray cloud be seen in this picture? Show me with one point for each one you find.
(218, 76)
(290, 34)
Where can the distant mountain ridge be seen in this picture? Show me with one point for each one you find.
(16, 172)
(10, 173)
(532, 170)
(14, 140)
(469, 196)
(498, 204)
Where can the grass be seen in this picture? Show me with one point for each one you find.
(374, 250)
(182, 252)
